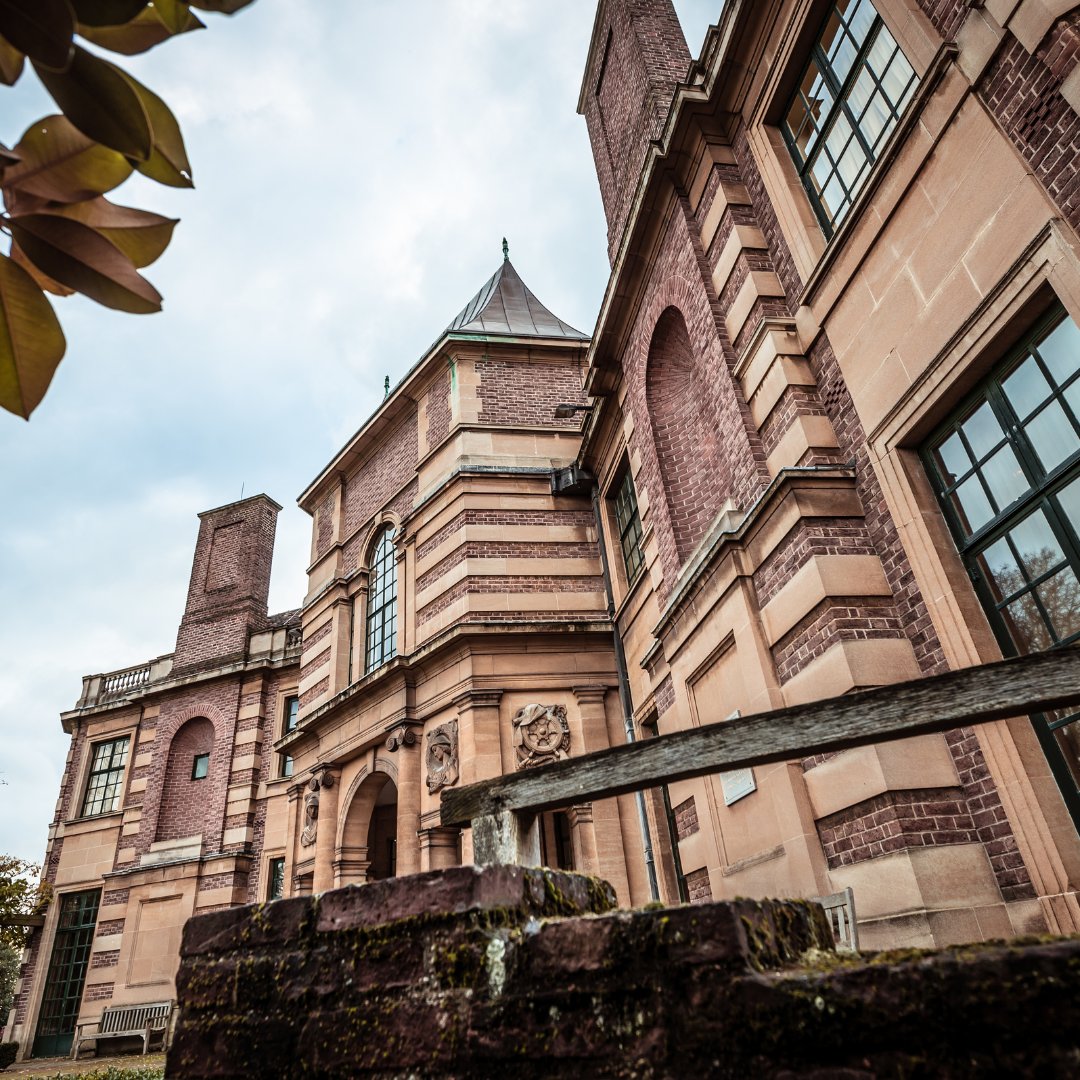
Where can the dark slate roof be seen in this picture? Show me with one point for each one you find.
(504, 305)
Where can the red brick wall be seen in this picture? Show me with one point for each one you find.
(526, 392)
(185, 803)
(373, 484)
(698, 886)
(946, 15)
(540, 519)
(688, 455)
(438, 410)
(641, 55)
(505, 549)
(686, 819)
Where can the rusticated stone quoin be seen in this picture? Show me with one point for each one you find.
(504, 971)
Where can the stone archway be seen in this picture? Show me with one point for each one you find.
(368, 850)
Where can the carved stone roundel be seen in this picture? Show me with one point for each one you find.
(541, 735)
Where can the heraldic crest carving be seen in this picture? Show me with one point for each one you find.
(541, 735)
(442, 756)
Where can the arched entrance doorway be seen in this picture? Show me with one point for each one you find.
(369, 837)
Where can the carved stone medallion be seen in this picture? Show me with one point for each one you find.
(442, 756)
(541, 735)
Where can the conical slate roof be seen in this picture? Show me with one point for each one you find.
(504, 305)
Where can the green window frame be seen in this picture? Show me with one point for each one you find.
(854, 88)
(103, 785)
(1006, 471)
(628, 523)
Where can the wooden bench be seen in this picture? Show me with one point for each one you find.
(840, 911)
(120, 1021)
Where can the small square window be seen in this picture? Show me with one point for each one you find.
(200, 767)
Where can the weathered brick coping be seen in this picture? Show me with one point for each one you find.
(511, 973)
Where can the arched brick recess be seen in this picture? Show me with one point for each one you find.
(686, 446)
(184, 805)
(217, 782)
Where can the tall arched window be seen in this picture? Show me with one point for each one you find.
(381, 603)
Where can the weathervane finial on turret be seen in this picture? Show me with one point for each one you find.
(386, 387)
(506, 249)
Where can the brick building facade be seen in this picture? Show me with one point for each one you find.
(822, 438)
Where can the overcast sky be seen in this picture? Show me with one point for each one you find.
(357, 164)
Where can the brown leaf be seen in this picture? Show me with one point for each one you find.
(42, 29)
(60, 162)
(31, 341)
(44, 281)
(225, 7)
(82, 259)
(168, 163)
(11, 63)
(143, 32)
(139, 234)
(106, 12)
(102, 102)
(8, 157)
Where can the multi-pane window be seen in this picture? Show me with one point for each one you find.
(285, 765)
(856, 84)
(1007, 472)
(200, 767)
(629, 524)
(381, 603)
(106, 776)
(276, 886)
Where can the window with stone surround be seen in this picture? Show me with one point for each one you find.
(628, 522)
(1006, 468)
(291, 711)
(854, 87)
(275, 889)
(103, 786)
(381, 638)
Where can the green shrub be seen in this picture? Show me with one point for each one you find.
(7, 1054)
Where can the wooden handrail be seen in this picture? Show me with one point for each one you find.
(502, 810)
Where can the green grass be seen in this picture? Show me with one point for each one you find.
(113, 1072)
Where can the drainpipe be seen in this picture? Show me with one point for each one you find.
(625, 701)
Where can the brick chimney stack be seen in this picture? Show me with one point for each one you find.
(637, 57)
(230, 582)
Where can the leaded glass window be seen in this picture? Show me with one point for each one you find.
(106, 777)
(381, 603)
(1007, 472)
(629, 523)
(856, 84)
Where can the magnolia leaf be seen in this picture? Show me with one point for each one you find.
(225, 7)
(11, 63)
(174, 14)
(31, 341)
(140, 235)
(44, 281)
(41, 28)
(143, 32)
(8, 157)
(106, 12)
(102, 102)
(82, 259)
(168, 163)
(59, 162)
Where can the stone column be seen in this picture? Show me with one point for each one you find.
(293, 831)
(404, 741)
(479, 745)
(440, 847)
(581, 828)
(602, 834)
(326, 831)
